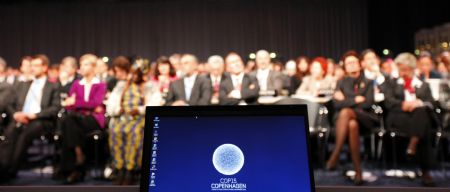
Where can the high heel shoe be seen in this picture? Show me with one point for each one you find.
(427, 180)
(74, 177)
(129, 178)
(358, 181)
(119, 178)
(410, 154)
(331, 165)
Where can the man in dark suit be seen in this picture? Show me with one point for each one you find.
(216, 76)
(192, 89)
(6, 90)
(34, 109)
(270, 82)
(238, 88)
(406, 102)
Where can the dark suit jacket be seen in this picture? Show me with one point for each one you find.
(363, 87)
(6, 93)
(66, 88)
(249, 91)
(396, 95)
(200, 95)
(224, 75)
(50, 103)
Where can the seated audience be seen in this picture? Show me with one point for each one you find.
(164, 75)
(270, 82)
(192, 89)
(407, 112)
(101, 72)
(6, 90)
(238, 88)
(426, 68)
(175, 60)
(34, 108)
(250, 66)
(86, 113)
(127, 130)
(25, 70)
(371, 66)
(216, 75)
(316, 84)
(289, 72)
(302, 70)
(353, 100)
(3, 71)
(445, 60)
(67, 75)
(53, 73)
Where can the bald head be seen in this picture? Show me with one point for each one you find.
(262, 59)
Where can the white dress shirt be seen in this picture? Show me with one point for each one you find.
(263, 77)
(88, 86)
(188, 85)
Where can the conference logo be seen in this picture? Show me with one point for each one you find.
(228, 159)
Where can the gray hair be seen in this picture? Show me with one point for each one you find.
(407, 59)
(216, 59)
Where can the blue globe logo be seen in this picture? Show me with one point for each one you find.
(228, 159)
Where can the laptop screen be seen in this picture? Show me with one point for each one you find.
(228, 153)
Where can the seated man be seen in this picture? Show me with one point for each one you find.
(407, 112)
(269, 81)
(192, 89)
(34, 109)
(237, 87)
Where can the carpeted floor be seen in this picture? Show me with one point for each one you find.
(374, 177)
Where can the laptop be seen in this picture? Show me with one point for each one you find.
(227, 148)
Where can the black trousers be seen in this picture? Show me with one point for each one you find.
(416, 123)
(18, 139)
(74, 128)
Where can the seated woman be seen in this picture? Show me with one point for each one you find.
(317, 84)
(127, 107)
(353, 99)
(408, 114)
(164, 75)
(301, 70)
(85, 114)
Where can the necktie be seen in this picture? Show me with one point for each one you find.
(237, 86)
(216, 85)
(31, 97)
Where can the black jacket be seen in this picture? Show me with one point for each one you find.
(200, 95)
(249, 91)
(351, 88)
(50, 103)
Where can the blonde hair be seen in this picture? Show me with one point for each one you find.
(91, 57)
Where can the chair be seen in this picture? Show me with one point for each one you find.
(395, 133)
(441, 132)
(96, 136)
(3, 124)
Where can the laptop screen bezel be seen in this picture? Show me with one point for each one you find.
(191, 111)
